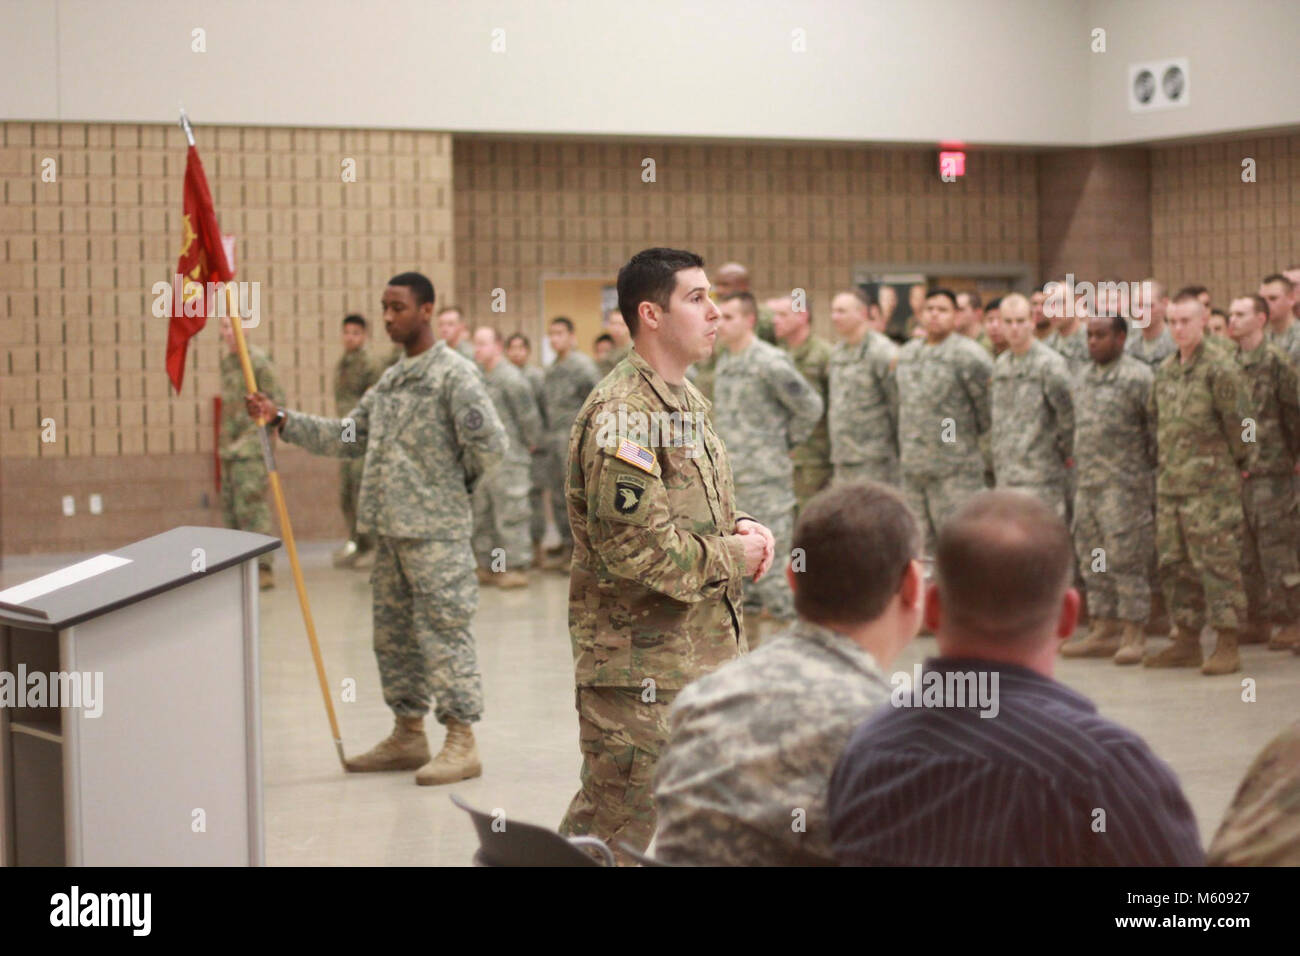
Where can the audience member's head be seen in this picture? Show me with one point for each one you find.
(487, 347)
(1150, 313)
(1106, 338)
(859, 546)
(602, 347)
(517, 348)
(1042, 324)
(452, 328)
(1003, 566)
(559, 332)
(1217, 323)
(730, 277)
(939, 314)
(1015, 323)
(1279, 292)
(354, 332)
(616, 328)
(970, 316)
(849, 316)
(1247, 317)
(994, 327)
(1186, 320)
(787, 322)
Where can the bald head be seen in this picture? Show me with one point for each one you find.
(730, 277)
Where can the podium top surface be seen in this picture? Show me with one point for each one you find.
(151, 566)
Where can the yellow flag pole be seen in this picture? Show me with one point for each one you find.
(268, 455)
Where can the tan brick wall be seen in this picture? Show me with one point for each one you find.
(797, 216)
(1095, 209)
(80, 346)
(1210, 228)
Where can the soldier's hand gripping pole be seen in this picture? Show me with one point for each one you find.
(264, 433)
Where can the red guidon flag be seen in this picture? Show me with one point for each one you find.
(203, 259)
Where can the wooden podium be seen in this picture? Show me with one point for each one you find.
(130, 721)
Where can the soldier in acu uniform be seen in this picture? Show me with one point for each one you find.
(243, 470)
(660, 551)
(1199, 405)
(569, 380)
(862, 420)
(501, 498)
(618, 334)
(354, 374)
(1149, 340)
(517, 350)
(944, 411)
(811, 355)
(762, 409)
(428, 433)
(454, 330)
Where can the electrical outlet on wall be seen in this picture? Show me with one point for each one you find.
(96, 505)
(69, 506)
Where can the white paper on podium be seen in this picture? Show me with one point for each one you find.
(37, 587)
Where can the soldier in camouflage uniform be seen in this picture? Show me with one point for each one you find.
(744, 777)
(1149, 341)
(1270, 568)
(1114, 514)
(616, 329)
(730, 277)
(862, 418)
(1283, 326)
(517, 351)
(428, 433)
(1033, 415)
(944, 411)
(1262, 827)
(501, 498)
(355, 372)
(811, 355)
(1199, 405)
(454, 330)
(243, 470)
(1069, 336)
(660, 551)
(569, 380)
(762, 409)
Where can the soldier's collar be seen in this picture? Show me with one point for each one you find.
(656, 381)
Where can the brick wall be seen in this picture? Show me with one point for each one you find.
(80, 347)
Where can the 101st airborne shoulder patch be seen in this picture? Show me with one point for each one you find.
(622, 497)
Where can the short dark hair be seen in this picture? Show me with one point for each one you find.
(994, 304)
(522, 338)
(651, 276)
(748, 304)
(1261, 303)
(946, 293)
(1002, 565)
(865, 295)
(973, 298)
(856, 540)
(1219, 312)
(563, 320)
(419, 285)
(1278, 277)
(1195, 290)
(354, 319)
(605, 337)
(1119, 324)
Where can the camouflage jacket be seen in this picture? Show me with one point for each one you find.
(239, 439)
(466, 348)
(1114, 439)
(567, 384)
(1073, 347)
(1275, 396)
(537, 382)
(355, 373)
(1151, 352)
(812, 359)
(512, 397)
(1289, 342)
(1199, 410)
(943, 406)
(1033, 416)
(863, 416)
(655, 586)
(428, 432)
(1262, 827)
(744, 777)
(762, 408)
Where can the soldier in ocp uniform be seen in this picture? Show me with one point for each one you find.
(1199, 406)
(501, 498)
(660, 551)
(243, 469)
(428, 433)
(1270, 568)
(811, 355)
(355, 373)
(1114, 514)
(762, 409)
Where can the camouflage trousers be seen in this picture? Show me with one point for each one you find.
(1269, 565)
(934, 499)
(1114, 545)
(1050, 493)
(809, 478)
(772, 504)
(243, 499)
(557, 453)
(884, 471)
(1198, 549)
(501, 519)
(536, 501)
(425, 594)
(350, 470)
(620, 735)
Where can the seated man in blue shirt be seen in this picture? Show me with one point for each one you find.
(982, 758)
(743, 779)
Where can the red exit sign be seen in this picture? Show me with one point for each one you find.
(952, 163)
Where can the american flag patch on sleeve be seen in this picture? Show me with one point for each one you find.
(634, 454)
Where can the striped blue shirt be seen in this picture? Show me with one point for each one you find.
(1042, 780)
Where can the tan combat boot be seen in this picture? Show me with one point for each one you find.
(404, 749)
(1224, 660)
(458, 759)
(1184, 650)
(1131, 643)
(511, 579)
(1286, 639)
(1102, 640)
